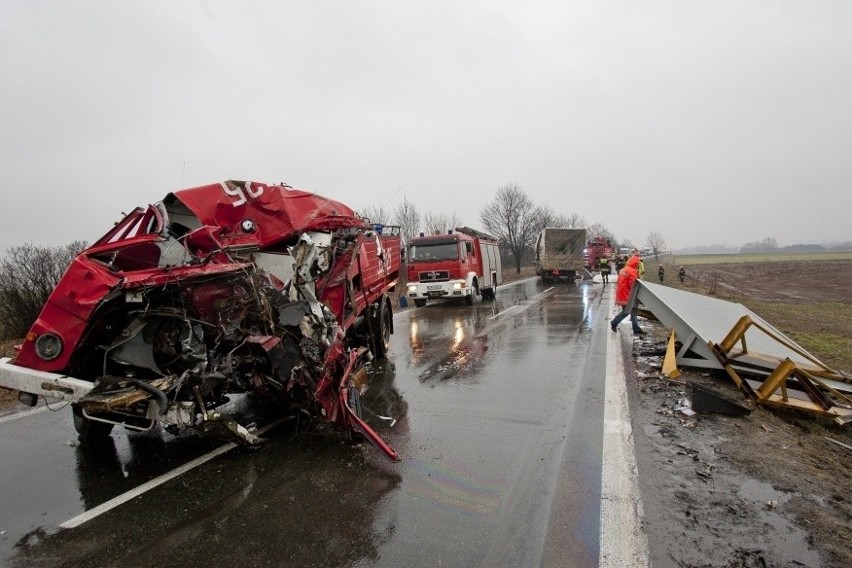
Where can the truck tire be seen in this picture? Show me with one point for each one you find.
(88, 429)
(474, 294)
(382, 328)
(354, 398)
(419, 302)
(490, 293)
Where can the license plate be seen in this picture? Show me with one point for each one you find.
(433, 287)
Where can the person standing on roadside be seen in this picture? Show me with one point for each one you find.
(626, 280)
(641, 268)
(604, 267)
(661, 273)
(681, 274)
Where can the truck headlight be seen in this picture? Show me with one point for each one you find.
(458, 285)
(412, 288)
(48, 346)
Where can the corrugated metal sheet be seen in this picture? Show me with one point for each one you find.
(697, 320)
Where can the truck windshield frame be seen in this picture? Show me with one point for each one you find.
(440, 250)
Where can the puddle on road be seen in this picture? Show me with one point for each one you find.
(792, 541)
(759, 491)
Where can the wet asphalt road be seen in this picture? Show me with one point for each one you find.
(499, 426)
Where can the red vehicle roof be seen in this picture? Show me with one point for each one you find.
(277, 211)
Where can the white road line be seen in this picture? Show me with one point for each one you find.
(524, 306)
(148, 485)
(622, 542)
(507, 311)
(23, 414)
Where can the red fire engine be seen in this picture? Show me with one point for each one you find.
(596, 248)
(464, 263)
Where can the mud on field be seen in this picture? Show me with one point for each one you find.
(767, 489)
(786, 281)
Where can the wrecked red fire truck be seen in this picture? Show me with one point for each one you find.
(234, 287)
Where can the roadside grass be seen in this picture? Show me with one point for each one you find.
(511, 275)
(7, 347)
(692, 259)
(821, 328)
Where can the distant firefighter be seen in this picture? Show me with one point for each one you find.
(661, 273)
(605, 268)
(681, 274)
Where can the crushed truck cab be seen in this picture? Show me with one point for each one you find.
(233, 287)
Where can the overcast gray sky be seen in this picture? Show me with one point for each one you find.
(717, 122)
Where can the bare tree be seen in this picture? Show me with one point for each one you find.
(655, 242)
(436, 223)
(407, 217)
(514, 219)
(28, 274)
(374, 213)
(599, 230)
(574, 221)
(553, 219)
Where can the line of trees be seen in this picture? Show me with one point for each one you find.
(516, 221)
(410, 219)
(511, 216)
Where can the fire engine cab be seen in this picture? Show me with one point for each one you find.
(596, 248)
(463, 263)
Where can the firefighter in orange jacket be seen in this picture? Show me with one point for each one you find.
(626, 280)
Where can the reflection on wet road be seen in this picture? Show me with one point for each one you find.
(494, 393)
(494, 408)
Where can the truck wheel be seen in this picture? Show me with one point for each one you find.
(473, 295)
(88, 429)
(491, 292)
(419, 302)
(355, 404)
(382, 327)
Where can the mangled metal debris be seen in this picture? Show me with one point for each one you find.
(703, 399)
(767, 366)
(235, 287)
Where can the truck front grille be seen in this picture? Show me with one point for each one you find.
(434, 276)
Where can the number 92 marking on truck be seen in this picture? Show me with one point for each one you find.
(238, 192)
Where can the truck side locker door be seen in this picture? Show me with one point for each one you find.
(487, 263)
(476, 258)
(498, 263)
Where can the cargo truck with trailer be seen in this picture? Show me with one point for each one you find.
(559, 254)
